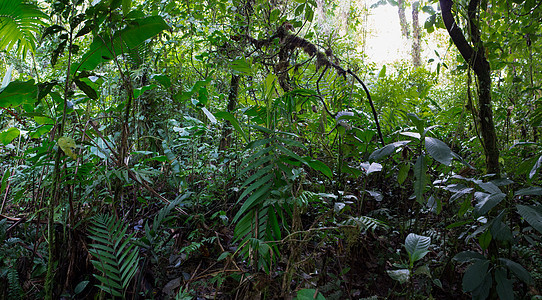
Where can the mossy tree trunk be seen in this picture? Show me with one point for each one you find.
(475, 57)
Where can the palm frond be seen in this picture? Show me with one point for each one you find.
(19, 24)
(116, 256)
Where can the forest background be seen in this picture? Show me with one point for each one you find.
(246, 149)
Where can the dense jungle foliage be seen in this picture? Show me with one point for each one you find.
(247, 149)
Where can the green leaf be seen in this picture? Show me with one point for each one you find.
(532, 190)
(518, 270)
(504, 285)
(209, 115)
(126, 6)
(20, 21)
(467, 256)
(242, 66)
(401, 275)
(382, 72)
(531, 214)
(9, 135)
(386, 150)
(417, 247)
(320, 166)
(438, 150)
(123, 41)
(487, 202)
(535, 168)
(403, 173)
(4, 182)
(86, 88)
(484, 239)
(475, 275)
(309, 294)
(17, 93)
(80, 287)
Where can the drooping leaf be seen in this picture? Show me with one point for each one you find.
(209, 115)
(531, 214)
(386, 150)
(17, 93)
(487, 202)
(105, 48)
(504, 285)
(320, 166)
(475, 275)
(518, 270)
(532, 190)
(438, 150)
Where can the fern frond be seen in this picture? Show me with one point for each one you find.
(15, 291)
(117, 257)
(366, 223)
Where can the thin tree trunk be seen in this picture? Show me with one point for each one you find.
(475, 56)
(225, 141)
(402, 18)
(416, 36)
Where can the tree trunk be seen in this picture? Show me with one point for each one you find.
(402, 18)
(416, 36)
(475, 57)
(225, 141)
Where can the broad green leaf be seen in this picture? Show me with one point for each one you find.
(531, 214)
(309, 294)
(518, 270)
(43, 120)
(412, 134)
(438, 150)
(382, 152)
(86, 88)
(475, 275)
(487, 202)
(417, 247)
(139, 91)
(320, 166)
(467, 256)
(532, 190)
(126, 6)
(17, 93)
(261, 192)
(242, 66)
(371, 168)
(504, 285)
(9, 135)
(386, 150)
(104, 48)
(402, 275)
